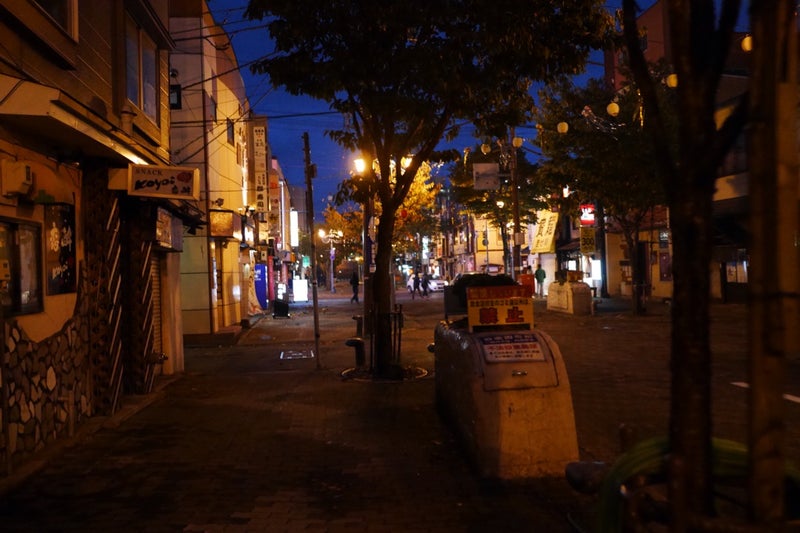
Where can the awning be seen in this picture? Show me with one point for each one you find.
(572, 246)
(58, 124)
(52, 122)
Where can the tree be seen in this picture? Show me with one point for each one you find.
(602, 158)
(417, 213)
(349, 222)
(484, 203)
(689, 177)
(403, 72)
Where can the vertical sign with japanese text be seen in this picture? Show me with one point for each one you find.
(260, 167)
(544, 238)
(588, 244)
(60, 263)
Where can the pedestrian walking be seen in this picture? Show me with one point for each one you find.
(354, 283)
(425, 283)
(320, 276)
(417, 283)
(540, 276)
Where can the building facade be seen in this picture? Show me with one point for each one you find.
(213, 130)
(92, 214)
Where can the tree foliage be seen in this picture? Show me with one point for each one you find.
(404, 72)
(349, 222)
(417, 216)
(483, 203)
(603, 158)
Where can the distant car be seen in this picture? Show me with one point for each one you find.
(435, 284)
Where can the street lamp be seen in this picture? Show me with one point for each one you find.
(332, 237)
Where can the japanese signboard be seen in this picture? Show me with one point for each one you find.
(544, 238)
(511, 347)
(502, 307)
(60, 252)
(164, 182)
(588, 245)
(587, 215)
(274, 196)
(260, 167)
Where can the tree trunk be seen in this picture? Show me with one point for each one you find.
(637, 276)
(690, 360)
(773, 282)
(383, 296)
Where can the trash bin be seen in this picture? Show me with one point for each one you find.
(507, 395)
(574, 297)
(280, 309)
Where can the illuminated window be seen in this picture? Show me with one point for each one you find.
(20, 268)
(141, 59)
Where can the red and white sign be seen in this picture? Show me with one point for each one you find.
(587, 214)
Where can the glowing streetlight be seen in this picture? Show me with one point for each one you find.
(332, 237)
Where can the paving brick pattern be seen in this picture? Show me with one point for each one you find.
(248, 442)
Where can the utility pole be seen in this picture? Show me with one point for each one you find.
(310, 170)
(516, 258)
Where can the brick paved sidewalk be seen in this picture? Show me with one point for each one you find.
(249, 441)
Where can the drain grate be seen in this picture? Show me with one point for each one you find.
(297, 354)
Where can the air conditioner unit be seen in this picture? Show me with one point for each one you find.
(16, 178)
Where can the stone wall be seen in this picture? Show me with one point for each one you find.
(46, 390)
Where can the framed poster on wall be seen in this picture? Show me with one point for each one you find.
(59, 261)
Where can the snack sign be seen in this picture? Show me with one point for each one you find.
(499, 307)
(164, 182)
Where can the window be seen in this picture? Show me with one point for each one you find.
(141, 80)
(60, 11)
(213, 110)
(231, 132)
(735, 161)
(175, 96)
(53, 24)
(20, 268)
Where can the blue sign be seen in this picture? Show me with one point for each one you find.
(260, 281)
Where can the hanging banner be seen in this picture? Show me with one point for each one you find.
(544, 238)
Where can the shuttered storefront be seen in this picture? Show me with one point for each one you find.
(155, 280)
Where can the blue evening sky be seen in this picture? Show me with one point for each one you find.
(290, 116)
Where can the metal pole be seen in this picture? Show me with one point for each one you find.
(368, 326)
(312, 233)
(332, 251)
(486, 243)
(516, 255)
